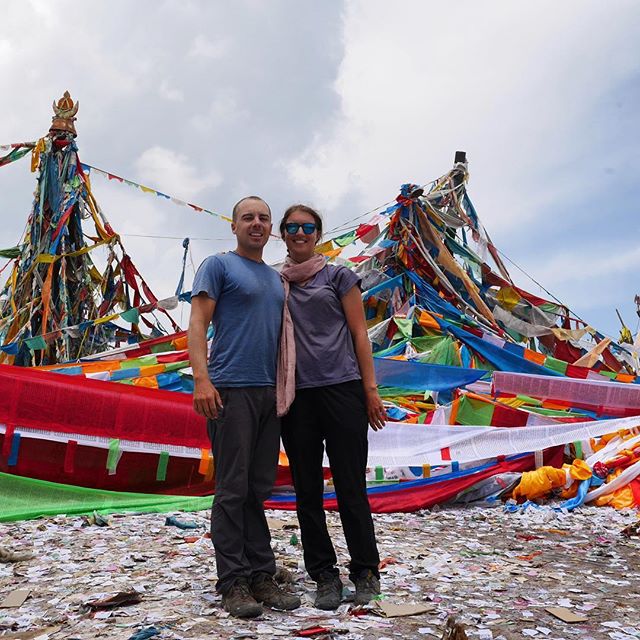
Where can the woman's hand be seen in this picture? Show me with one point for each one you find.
(375, 410)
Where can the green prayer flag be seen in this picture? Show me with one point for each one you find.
(436, 350)
(161, 348)
(136, 363)
(557, 365)
(131, 315)
(344, 240)
(552, 413)
(176, 366)
(113, 457)
(36, 343)
(474, 412)
(161, 473)
(13, 155)
(392, 392)
(10, 253)
(24, 498)
(383, 353)
(405, 326)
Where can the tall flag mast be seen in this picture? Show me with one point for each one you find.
(56, 304)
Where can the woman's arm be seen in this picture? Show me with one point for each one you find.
(354, 313)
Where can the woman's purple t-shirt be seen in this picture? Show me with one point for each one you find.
(324, 347)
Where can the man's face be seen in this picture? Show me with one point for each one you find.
(252, 225)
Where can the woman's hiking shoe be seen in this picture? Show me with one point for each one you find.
(367, 587)
(329, 593)
(239, 602)
(266, 591)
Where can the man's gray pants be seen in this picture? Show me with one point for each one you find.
(245, 441)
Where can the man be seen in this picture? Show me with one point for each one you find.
(236, 393)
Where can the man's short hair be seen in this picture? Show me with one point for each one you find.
(237, 204)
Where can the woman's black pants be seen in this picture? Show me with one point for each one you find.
(333, 416)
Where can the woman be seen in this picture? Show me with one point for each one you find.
(335, 399)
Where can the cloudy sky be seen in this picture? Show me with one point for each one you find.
(337, 104)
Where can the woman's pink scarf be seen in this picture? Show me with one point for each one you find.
(298, 272)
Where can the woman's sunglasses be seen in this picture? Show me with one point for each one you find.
(307, 227)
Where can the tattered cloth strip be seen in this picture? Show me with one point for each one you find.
(10, 253)
(524, 328)
(17, 153)
(421, 377)
(17, 145)
(602, 393)
(412, 445)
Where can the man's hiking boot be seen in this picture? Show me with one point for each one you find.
(266, 591)
(239, 602)
(329, 593)
(367, 587)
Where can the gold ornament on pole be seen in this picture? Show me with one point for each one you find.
(65, 111)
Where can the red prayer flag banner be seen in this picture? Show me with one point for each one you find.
(70, 456)
(367, 232)
(8, 438)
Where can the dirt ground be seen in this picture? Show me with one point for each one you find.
(495, 572)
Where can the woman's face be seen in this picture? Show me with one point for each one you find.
(301, 245)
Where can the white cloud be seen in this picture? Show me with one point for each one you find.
(170, 93)
(5, 50)
(224, 109)
(202, 47)
(512, 84)
(584, 264)
(173, 174)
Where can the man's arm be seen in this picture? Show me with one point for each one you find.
(206, 399)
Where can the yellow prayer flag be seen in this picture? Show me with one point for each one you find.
(35, 154)
(508, 297)
(113, 316)
(46, 258)
(333, 254)
(325, 247)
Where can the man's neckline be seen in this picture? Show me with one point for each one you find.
(261, 261)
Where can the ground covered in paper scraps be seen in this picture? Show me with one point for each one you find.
(495, 572)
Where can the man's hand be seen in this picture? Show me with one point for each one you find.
(206, 399)
(375, 410)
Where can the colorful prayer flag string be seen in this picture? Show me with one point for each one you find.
(145, 189)
(132, 315)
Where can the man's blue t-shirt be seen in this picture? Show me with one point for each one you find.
(247, 318)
